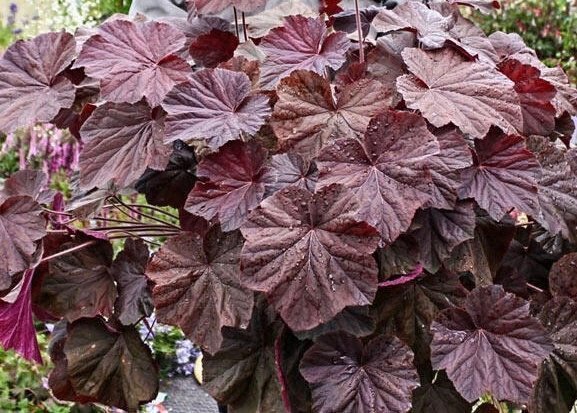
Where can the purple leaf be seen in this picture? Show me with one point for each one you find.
(535, 95)
(386, 170)
(231, 184)
(302, 43)
(134, 299)
(439, 231)
(345, 21)
(210, 49)
(562, 277)
(121, 141)
(484, 6)
(133, 60)
(291, 170)
(503, 177)
(309, 255)
(446, 88)
(31, 87)
(79, 284)
(557, 189)
(446, 167)
(439, 396)
(30, 183)
(112, 367)
(307, 117)
(348, 375)
(403, 278)
(557, 381)
(494, 348)
(171, 186)
(197, 286)
(17, 330)
(216, 105)
(431, 27)
(21, 227)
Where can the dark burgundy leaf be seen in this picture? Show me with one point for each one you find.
(306, 116)
(482, 255)
(111, 367)
(21, 227)
(30, 183)
(251, 68)
(193, 223)
(17, 330)
(503, 177)
(79, 284)
(120, 141)
(563, 277)
(446, 167)
(134, 294)
(242, 374)
(494, 348)
(439, 396)
(431, 27)
(535, 95)
(346, 20)
(386, 170)
(214, 47)
(400, 257)
(566, 97)
(472, 95)
(556, 388)
(171, 186)
(485, 6)
(512, 280)
(291, 170)
(357, 321)
(197, 285)
(303, 43)
(216, 6)
(408, 310)
(231, 184)
(215, 105)
(557, 189)
(439, 231)
(133, 60)
(31, 87)
(511, 45)
(349, 376)
(310, 255)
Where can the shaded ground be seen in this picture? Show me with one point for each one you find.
(184, 395)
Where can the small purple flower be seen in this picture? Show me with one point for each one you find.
(13, 8)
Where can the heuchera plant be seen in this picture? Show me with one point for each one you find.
(377, 208)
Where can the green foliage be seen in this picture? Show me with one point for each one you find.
(8, 163)
(21, 388)
(106, 8)
(164, 348)
(548, 26)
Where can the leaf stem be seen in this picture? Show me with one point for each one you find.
(68, 251)
(143, 214)
(236, 22)
(359, 32)
(51, 211)
(152, 207)
(133, 227)
(535, 288)
(244, 27)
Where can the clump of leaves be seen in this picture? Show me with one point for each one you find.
(377, 211)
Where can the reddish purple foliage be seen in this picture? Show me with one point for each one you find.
(304, 178)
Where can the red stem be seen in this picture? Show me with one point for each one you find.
(236, 22)
(244, 27)
(359, 32)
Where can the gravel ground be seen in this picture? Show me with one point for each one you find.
(184, 395)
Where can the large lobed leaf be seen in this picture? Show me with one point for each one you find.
(310, 255)
(495, 348)
(504, 176)
(215, 105)
(307, 117)
(197, 285)
(32, 88)
(302, 43)
(133, 60)
(386, 170)
(231, 184)
(447, 88)
(121, 141)
(351, 376)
